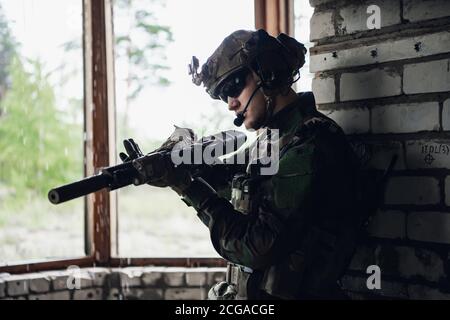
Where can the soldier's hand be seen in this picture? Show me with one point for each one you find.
(222, 291)
(132, 149)
(178, 178)
(167, 174)
(182, 137)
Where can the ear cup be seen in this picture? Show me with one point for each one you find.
(295, 50)
(275, 60)
(272, 71)
(267, 61)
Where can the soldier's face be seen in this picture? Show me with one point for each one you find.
(255, 114)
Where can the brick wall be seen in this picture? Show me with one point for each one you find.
(390, 87)
(142, 283)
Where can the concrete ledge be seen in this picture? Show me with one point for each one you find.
(133, 283)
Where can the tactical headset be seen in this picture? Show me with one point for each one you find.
(276, 61)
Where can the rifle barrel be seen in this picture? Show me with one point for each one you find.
(78, 188)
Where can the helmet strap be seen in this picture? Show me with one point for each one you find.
(270, 106)
(270, 103)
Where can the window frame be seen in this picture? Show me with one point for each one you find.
(101, 214)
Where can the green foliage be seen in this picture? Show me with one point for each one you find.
(141, 45)
(39, 150)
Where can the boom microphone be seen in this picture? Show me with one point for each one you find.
(240, 117)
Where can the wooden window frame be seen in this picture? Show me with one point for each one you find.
(101, 216)
(275, 16)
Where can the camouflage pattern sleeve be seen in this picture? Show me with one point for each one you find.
(219, 177)
(258, 239)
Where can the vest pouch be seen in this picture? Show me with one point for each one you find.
(283, 280)
(305, 272)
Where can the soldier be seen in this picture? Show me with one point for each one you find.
(288, 235)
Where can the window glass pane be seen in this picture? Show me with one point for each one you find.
(302, 15)
(154, 43)
(41, 128)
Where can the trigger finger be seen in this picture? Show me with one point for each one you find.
(130, 148)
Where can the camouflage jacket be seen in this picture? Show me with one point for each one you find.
(297, 240)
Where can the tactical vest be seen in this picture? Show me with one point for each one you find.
(316, 263)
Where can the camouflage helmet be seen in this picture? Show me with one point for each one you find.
(275, 60)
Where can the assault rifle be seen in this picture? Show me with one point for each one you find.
(151, 165)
